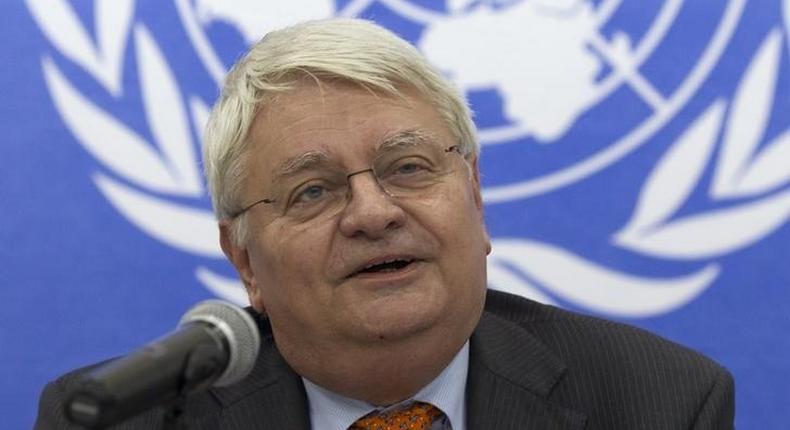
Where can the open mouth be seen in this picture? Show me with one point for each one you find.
(386, 266)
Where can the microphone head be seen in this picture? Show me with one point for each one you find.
(239, 329)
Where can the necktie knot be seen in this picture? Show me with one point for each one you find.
(416, 416)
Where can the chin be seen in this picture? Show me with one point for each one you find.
(400, 323)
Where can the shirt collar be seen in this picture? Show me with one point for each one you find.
(446, 392)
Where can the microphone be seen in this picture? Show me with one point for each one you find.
(215, 344)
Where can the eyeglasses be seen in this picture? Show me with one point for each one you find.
(405, 171)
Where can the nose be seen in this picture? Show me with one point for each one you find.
(370, 212)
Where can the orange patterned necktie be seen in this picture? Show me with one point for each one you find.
(418, 416)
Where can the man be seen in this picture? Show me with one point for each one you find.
(343, 171)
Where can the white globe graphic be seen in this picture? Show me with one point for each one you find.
(549, 61)
(563, 89)
(553, 65)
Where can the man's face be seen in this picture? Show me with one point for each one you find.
(379, 269)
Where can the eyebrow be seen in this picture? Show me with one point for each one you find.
(406, 138)
(300, 163)
(312, 159)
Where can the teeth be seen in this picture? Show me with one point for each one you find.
(383, 262)
(387, 265)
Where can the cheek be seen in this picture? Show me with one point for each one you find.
(463, 232)
(288, 262)
(454, 225)
(457, 217)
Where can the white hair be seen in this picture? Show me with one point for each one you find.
(351, 50)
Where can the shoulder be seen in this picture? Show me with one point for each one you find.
(576, 338)
(609, 363)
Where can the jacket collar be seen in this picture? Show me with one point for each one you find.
(511, 375)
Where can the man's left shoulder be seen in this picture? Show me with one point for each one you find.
(609, 363)
(576, 337)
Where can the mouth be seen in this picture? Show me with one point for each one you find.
(384, 266)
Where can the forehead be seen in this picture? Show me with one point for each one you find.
(339, 120)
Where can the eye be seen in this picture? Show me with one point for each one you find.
(409, 166)
(309, 194)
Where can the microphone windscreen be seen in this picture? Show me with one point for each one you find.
(239, 329)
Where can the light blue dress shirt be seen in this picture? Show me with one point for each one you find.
(331, 411)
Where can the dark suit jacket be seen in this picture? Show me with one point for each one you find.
(531, 366)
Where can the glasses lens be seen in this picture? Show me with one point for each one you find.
(411, 171)
(313, 193)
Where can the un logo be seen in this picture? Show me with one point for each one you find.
(563, 90)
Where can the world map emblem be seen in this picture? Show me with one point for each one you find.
(569, 98)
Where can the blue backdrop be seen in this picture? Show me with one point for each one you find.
(636, 162)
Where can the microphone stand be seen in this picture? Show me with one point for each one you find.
(202, 368)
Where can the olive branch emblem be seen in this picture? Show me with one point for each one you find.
(151, 176)
(748, 193)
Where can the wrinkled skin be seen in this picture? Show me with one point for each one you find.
(379, 336)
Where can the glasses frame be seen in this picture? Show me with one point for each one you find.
(268, 200)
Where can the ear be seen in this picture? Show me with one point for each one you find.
(479, 199)
(240, 259)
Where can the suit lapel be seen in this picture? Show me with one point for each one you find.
(511, 374)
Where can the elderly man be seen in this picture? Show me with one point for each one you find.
(344, 174)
